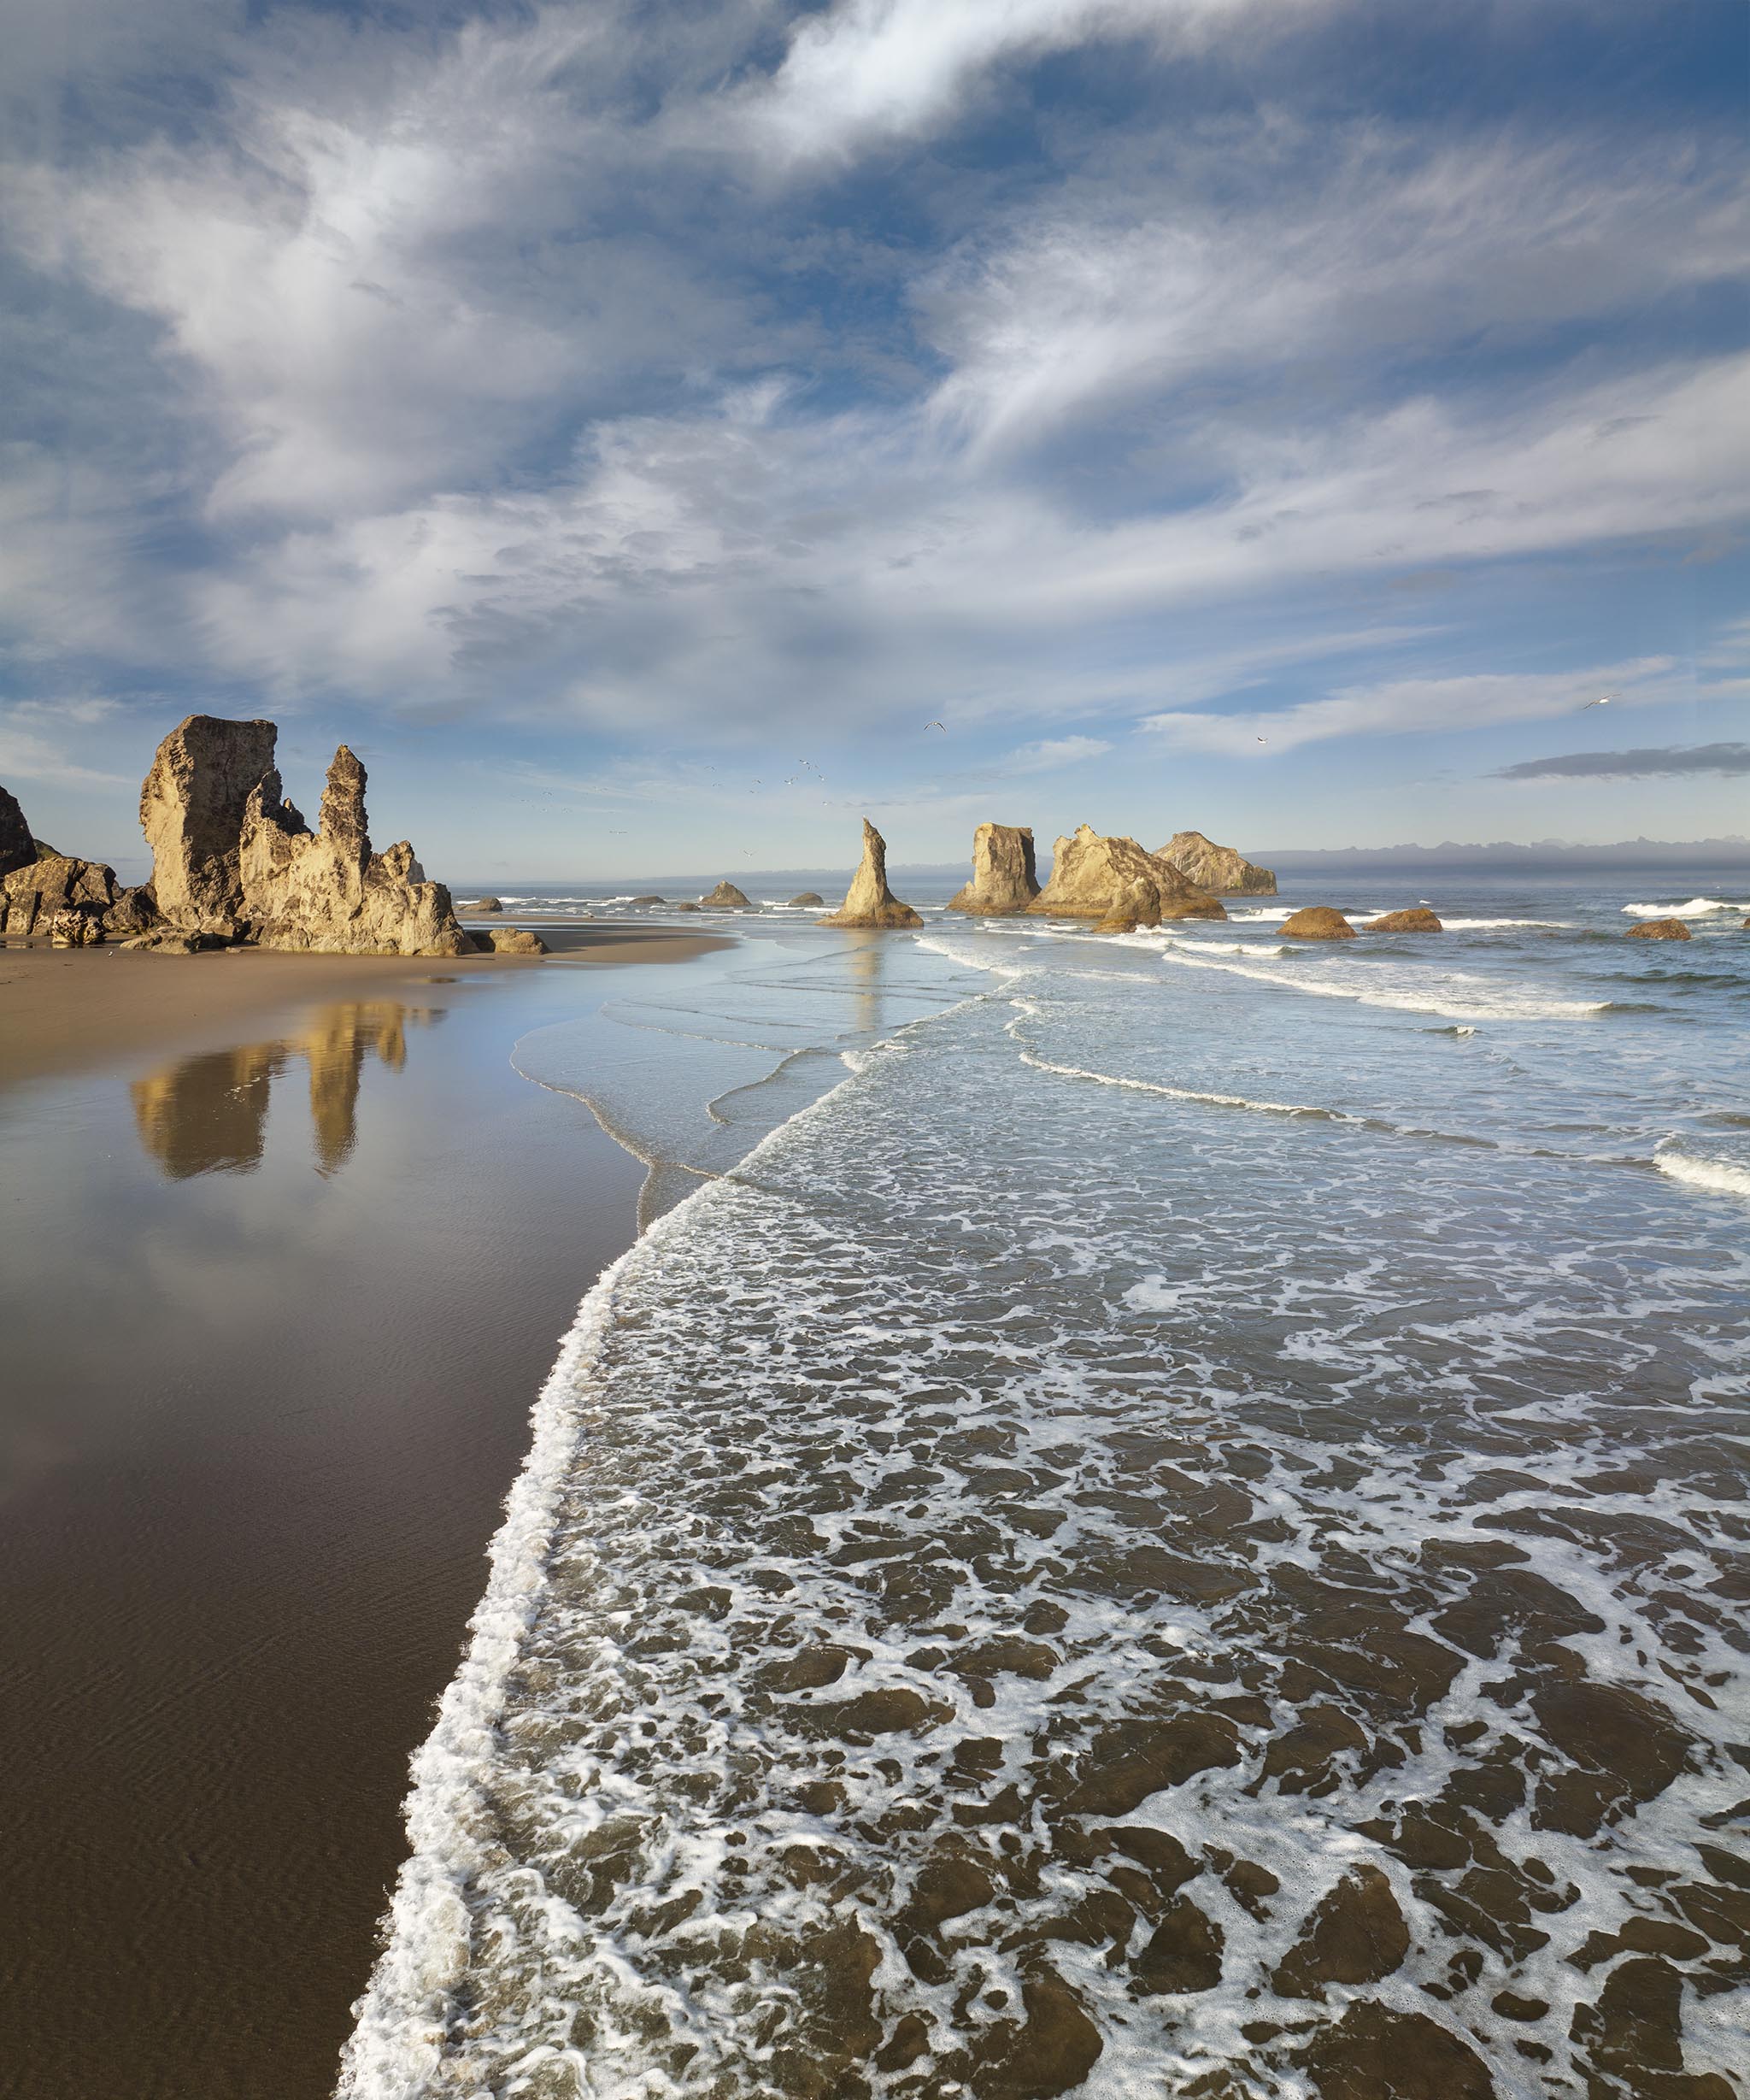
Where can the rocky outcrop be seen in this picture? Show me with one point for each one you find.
(869, 902)
(76, 904)
(689, 908)
(510, 940)
(644, 900)
(325, 891)
(1092, 876)
(1138, 904)
(1317, 922)
(491, 905)
(1417, 920)
(1224, 871)
(810, 900)
(17, 848)
(727, 898)
(1662, 930)
(1004, 879)
(191, 810)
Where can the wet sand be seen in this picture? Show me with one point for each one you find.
(289, 1246)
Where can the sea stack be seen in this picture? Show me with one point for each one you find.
(1661, 930)
(1317, 922)
(1417, 920)
(727, 898)
(809, 899)
(191, 811)
(869, 902)
(1224, 871)
(1004, 879)
(17, 848)
(327, 892)
(1092, 876)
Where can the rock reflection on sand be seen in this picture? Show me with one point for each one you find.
(208, 1113)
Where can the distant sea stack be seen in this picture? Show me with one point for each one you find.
(869, 902)
(1224, 871)
(1004, 879)
(1661, 930)
(809, 899)
(1093, 877)
(1417, 920)
(727, 898)
(1317, 922)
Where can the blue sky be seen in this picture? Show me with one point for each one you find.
(1278, 417)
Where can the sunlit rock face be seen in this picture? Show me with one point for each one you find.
(1004, 879)
(191, 810)
(869, 902)
(1224, 871)
(1093, 877)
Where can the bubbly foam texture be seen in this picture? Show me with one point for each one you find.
(1720, 1177)
(1104, 1547)
(1696, 908)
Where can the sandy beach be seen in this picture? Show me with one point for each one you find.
(290, 1248)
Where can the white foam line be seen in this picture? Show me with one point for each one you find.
(1186, 1093)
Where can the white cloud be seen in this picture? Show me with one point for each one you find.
(25, 754)
(1431, 706)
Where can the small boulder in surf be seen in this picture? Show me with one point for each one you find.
(1661, 930)
(1417, 920)
(486, 903)
(727, 898)
(1317, 922)
(810, 900)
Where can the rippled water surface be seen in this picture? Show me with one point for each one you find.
(1150, 1516)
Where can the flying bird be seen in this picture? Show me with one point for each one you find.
(1602, 701)
(1262, 739)
(942, 727)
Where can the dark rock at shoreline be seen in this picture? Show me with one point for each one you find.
(72, 902)
(1317, 922)
(1004, 877)
(509, 940)
(17, 847)
(485, 904)
(727, 898)
(1661, 930)
(869, 902)
(689, 907)
(812, 900)
(644, 900)
(1224, 871)
(1417, 920)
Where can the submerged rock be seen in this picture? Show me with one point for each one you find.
(1224, 871)
(1317, 922)
(325, 890)
(727, 898)
(869, 902)
(510, 940)
(1004, 879)
(1661, 930)
(1417, 920)
(191, 810)
(1356, 1935)
(1092, 876)
(810, 900)
(17, 848)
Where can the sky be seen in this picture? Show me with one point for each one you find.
(655, 433)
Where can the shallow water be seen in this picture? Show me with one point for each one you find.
(1159, 1515)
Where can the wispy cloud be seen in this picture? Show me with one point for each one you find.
(1053, 754)
(1652, 762)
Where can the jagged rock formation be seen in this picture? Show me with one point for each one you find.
(510, 940)
(810, 900)
(191, 810)
(76, 904)
(17, 848)
(1317, 922)
(1661, 930)
(1004, 878)
(1138, 904)
(1417, 920)
(490, 905)
(869, 902)
(1091, 876)
(326, 891)
(1224, 871)
(727, 898)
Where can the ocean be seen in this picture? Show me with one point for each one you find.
(1149, 1515)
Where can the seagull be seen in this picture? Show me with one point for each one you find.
(1261, 739)
(1602, 701)
(942, 727)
